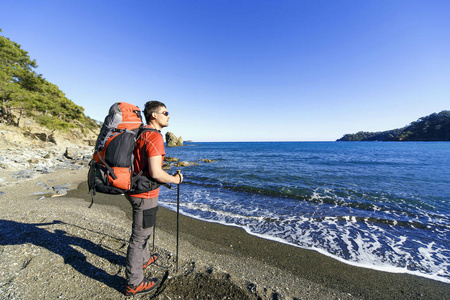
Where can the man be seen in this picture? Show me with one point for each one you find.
(148, 157)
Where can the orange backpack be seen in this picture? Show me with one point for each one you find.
(111, 169)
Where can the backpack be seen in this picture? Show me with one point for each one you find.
(111, 168)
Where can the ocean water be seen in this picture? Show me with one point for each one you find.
(378, 205)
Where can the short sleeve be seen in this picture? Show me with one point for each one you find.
(155, 145)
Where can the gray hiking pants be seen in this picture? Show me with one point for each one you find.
(144, 218)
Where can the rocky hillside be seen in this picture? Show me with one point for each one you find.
(33, 109)
(31, 133)
(435, 127)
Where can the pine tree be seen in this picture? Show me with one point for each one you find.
(23, 91)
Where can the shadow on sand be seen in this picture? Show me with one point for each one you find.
(62, 243)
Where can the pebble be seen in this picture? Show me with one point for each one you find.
(61, 189)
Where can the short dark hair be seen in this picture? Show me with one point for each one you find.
(150, 107)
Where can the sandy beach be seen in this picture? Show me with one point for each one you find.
(56, 247)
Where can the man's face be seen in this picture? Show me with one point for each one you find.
(161, 118)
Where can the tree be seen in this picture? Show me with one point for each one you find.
(24, 91)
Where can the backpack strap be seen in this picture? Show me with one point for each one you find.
(145, 129)
(92, 164)
(107, 167)
(141, 131)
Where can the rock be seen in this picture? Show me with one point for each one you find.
(171, 159)
(60, 189)
(51, 138)
(40, 183)
(42, 169)
(91, 142)
(24, 174)
(42, 136)
(206, 160)
(180, 141)
(33, 160)
(185, 164)
(39, 135)
(72, 153)
(172, 140)
(182, 164)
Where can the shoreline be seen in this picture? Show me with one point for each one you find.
(303, 263)
(387, 269)
(217, 253)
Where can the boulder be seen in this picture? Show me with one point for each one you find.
(172, 140)
(72, 153)
(180, 141)
(44, 137)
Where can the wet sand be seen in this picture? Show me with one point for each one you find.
(215, 261)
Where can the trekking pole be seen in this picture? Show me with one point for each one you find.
(178, 213)
(154, 232)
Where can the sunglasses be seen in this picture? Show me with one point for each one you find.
(166, 113)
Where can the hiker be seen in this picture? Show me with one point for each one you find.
(148, 157)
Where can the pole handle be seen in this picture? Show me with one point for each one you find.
(179, 175)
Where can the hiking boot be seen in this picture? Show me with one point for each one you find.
(152, 259)
(147, 285)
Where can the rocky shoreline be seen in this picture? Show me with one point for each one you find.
(53, 246)
(56, 247)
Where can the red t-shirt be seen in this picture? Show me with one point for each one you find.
(149, 144)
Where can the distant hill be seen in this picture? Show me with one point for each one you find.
(26, 94)
(435, 127)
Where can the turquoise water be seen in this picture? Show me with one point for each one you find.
(378, 205)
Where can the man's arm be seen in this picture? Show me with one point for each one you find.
(157, 173)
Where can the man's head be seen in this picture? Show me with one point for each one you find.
(156, 114)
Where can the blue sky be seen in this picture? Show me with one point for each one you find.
(249, 70)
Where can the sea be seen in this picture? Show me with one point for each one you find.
(378, 205)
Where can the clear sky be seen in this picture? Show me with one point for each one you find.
(247, 70)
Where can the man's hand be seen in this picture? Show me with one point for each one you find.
(157, 173)
(178, 174)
